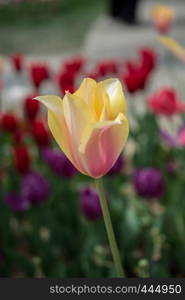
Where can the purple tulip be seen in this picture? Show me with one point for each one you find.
(148, 182)
(16, 202)
(117, 166)
(58, 162)
(34, 188)
(90, 204)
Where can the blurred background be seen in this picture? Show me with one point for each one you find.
(50, 217)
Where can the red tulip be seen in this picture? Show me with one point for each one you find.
(165, 102)
(39, 72)
(93, 75)
(66, 81)
(131, 65)
(17, 61)
(138, 71)
(40, 133)
(131, 82)
(9, 122)
(73, 65)
(148, 58)
(136, 80)
(107, 67)
(21, 159)
(31, 107)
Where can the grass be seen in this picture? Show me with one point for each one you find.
(47, 27)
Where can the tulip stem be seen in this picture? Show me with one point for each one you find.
(109, 228)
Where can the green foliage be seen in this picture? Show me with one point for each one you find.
(32, 13)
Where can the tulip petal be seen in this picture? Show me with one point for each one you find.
(162, 12)
(77, 114)
(114, 90)
(102, 143)
(52, 102)
(95, 96)
(56, 122)
(67, 129)
(87, 90)
(102, 103)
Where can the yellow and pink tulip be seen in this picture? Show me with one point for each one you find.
(91, 125)
(162, 17)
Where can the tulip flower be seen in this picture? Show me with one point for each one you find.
(35, 188)
(90, 125)
(148, 58)
(165, 102)
(90, 204)
(58, 162)
(66, 81)
(39, 72)
(22, 159)
(91, 128)
(9, 122)
(17, 61)
(162, 17)
(31, 107)
(107, 67)
(148, 182)
(74, 65)
(40, 134)
(136, 77)
(93, 74)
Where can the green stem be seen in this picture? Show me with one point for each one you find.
(109, 228)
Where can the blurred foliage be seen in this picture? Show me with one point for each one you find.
(32, 13)
(30, 23)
